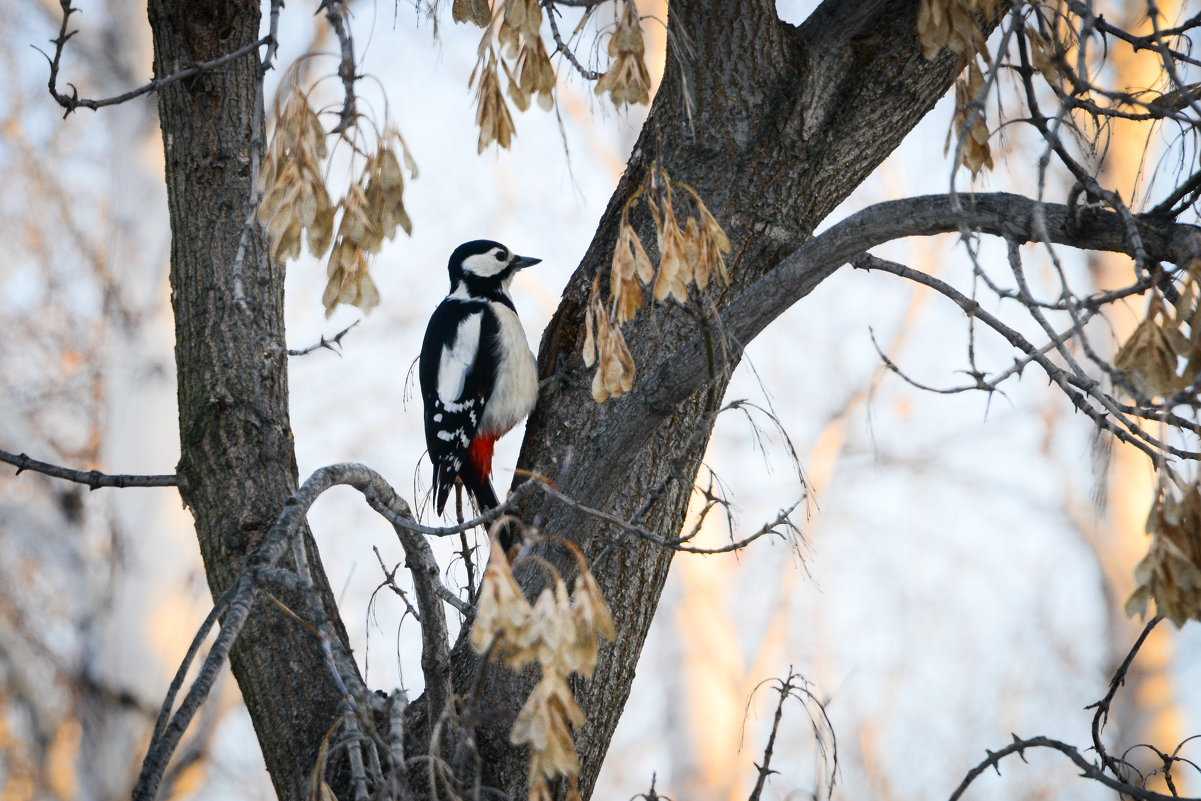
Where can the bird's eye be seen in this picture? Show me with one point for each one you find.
(500, 255)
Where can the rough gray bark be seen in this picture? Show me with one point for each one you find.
(237, 465)
(773, 125)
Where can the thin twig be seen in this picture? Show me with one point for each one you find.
(333, 344)
(72, 101)
(1102, 706)
(92, 478)
(1088, 770)
(335, 14)
(560, 45)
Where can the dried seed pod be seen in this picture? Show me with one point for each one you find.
(503, 613)
(492, 115)
(1171, 571)
(627, 80)
(476, 12)
(675, 270)
(630, 266)
(349, 280)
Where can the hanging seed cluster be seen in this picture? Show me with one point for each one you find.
(955, 24)
(1162, 356)
(627, 79)
(690, 255)
(524, 60)
(515, 27)
(1171, 571)
(560, 632)
(530, 73)
(296, 202)
(969, 122)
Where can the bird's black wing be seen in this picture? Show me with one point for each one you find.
(455, 383)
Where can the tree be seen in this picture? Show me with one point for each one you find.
(771, 126)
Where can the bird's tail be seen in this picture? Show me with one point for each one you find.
(475, 475)
(509, 530)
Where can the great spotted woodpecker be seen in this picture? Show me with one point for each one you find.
(478, 377)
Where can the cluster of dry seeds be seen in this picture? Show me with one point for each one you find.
(515, 25)
(627, 79)
(689, 255)
(531, 73)
(296, 202)
(1160, 359)
(955, 24)
(1153, 356)
(560, 632)
(526, 64)
(1171, 571)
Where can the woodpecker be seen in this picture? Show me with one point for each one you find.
(478, 376)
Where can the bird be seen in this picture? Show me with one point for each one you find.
(478, 376)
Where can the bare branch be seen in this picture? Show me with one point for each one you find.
(435, 639)
(238, 600)
(1075, 384)
(560, 45)
(796, 686)
(333, 344)
(999, 214)
(72, 101)
(1108, 772)
(1102, 706)
(1088, 770)
(336, 13)
(93, 478)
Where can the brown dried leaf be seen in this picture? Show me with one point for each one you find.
(592, 620)
(675, 272)
(349, 279)
(615, 366)
(630, 263)
(974, 152)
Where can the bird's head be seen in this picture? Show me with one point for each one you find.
(482, 267)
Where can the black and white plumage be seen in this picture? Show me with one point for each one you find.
(478, 376)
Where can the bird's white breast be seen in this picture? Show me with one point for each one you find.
(516, 389)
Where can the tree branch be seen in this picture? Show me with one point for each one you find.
(235, 605)
(1088, 770)
(72, 101)
(93, 478)
(998, 214)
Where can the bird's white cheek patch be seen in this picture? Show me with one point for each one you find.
(484, 264)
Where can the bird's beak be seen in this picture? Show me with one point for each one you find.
(521, 262)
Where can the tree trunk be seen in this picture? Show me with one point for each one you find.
(774, 126)
(237, 463)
